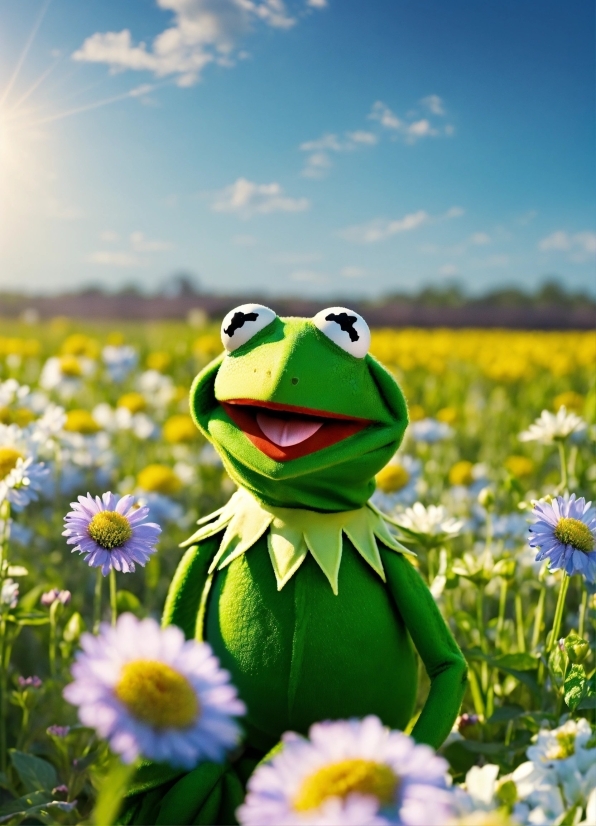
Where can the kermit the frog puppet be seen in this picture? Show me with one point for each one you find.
(304, 594)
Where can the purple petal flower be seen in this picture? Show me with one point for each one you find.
(50, 597)
(111, 532)
(349, 772)
(565, 534)
(150, 692)
(58, 731)
(29, 682)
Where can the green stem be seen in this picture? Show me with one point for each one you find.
(113, 596)
(97, 601)
(3, 691)
(476, 693)
(519, 623)
(502, 606)
(583, 609)
(52, 651)
(560, 607)
(538, 618)
(563, 460)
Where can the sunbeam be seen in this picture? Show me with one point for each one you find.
(25, 51)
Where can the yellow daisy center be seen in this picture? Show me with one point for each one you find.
(70, 366)
(179, 428)
(461, 473)
(156, 694)
(563, 748)
(8, 460)
(135, 402)
(576, 533)
(81, 421)
(355, 776)
(519, 465)
(392, 478)
(109, 529)
(159, 479)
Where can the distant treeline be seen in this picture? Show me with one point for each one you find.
(549, 307)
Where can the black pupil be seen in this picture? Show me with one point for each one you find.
(238, 320)
(346, 322)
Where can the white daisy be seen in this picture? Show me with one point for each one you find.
(150, 692)
(348, 772)
(429, 523)
(553, 427)
(119, 360)
(21, 476)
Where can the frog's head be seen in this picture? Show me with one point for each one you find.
(300, 413)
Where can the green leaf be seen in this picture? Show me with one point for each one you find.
(525, 677)
(556, 662)
(505, 713)
(29, 600)
(520, 661)
(36, 774)
(127, 601)
(21, 617)
(587, 703)
(575, 686)
(21, 804)
(464, 621)
(484, 748)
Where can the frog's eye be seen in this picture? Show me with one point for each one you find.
(242, 323)
(345, 328)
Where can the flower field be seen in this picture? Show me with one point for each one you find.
(501, 440)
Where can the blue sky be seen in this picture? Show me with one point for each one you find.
(312, 147)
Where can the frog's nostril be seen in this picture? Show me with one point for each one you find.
(294, 380)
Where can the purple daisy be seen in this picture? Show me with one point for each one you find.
(565, 534)
(111, 532)
(150, 692)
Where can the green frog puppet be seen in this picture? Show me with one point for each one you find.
(297, 583)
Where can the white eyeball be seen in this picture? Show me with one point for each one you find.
(345, 328)
(242, 323)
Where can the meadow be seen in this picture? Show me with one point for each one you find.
(99, 407)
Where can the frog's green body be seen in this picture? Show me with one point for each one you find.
(308, 631)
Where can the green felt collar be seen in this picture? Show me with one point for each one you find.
(293, 533)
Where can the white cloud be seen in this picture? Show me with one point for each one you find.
(448, 270)
(479, 238)
(108, 236)
(353, 272)
(317, 4)
(203, 32)
(413, 127)
(318, 161)
(111, 258)
(246, 199)
(381, 229)
(309, 276)
(139, 243)
(434, 104)
(581, 246)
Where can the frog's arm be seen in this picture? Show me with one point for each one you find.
(434, 642)
(184, 600)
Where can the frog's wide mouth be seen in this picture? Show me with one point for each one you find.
(284, 432)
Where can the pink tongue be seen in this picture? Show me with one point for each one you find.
(284, 432)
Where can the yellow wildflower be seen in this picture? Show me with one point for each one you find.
(461, 473)
(416, 413)
(179, 428)
(81, 421)
(447, 415)
(571, 400)
(159, 479)
(519, 466)
(135, 402)
(159, 361)
(392, 478)
(79, 344)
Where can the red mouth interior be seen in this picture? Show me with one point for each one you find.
(283, 432)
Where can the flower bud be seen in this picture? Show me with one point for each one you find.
(576, 648)
(486, 498)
